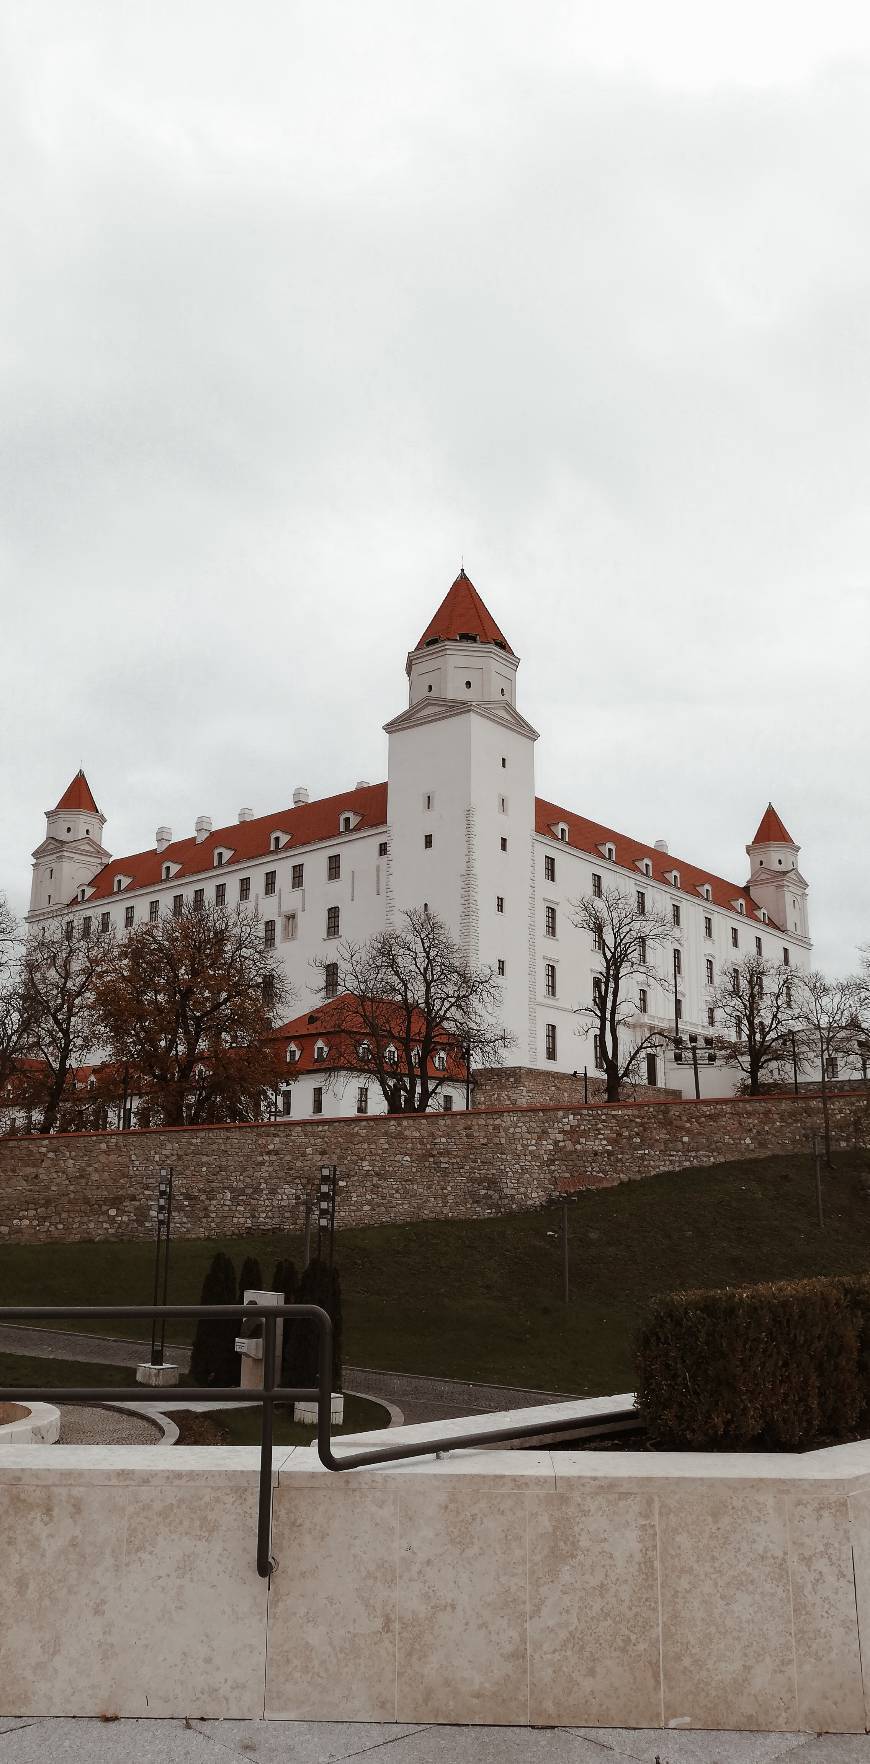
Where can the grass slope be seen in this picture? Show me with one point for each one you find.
(482, 1299)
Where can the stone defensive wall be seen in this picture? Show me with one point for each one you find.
(230, 1181)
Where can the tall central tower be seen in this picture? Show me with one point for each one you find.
(461, 800)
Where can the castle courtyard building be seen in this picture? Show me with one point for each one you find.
(457, 826)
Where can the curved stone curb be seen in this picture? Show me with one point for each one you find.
(40, 1426)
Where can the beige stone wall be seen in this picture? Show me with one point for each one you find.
(230, 1181)
(568, 1589)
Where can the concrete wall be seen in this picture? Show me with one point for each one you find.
(613, 1589)
(234, 1180)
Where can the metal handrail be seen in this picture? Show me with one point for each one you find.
(272, 1393)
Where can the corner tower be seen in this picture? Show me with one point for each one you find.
(461, 800)
(775, 882)
(72, 851)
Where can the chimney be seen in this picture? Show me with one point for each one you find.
(300, 795)
(246, 814)
(202, 828)
(661, 845)
(163, 837)
(361, 784)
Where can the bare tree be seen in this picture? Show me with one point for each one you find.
(826, 1013)
(14, 1021)
(410, 992)
(755, 1003)
(623, 936)
(189, 1006)
(59, 975)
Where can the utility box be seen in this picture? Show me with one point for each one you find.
(250, 1345)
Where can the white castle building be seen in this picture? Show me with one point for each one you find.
(457, 826)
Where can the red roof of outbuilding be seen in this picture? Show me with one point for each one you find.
(771, 830)
(339, 1023)
(463, 614)
(77, 795)
(589, 836)
(307, 824)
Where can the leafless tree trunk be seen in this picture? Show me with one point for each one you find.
(623, 937)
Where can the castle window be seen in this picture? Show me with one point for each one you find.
(270, 880)
(86, 927)
(741, 906)
(708, 969)
(292, 1054)
(675, 876)
(391, 1057)
(245, 888)
(427, 842)
(333, 922)
(320, 1052)
(504, 845)
(550, 979)
(427, 802)
(467, 688)
(382, 848)
(549, 868)
(786, 958)
(597, 1054)
(447, 1100)
(679, 1009)
(647, 867)
(364, 1051)
(198, 899)
(502, 805)
(550, 921)
(563, 835)
(296, 875)
(440, 1061)
(735, 979)
(758, 946)
(707, 891)
(346, 824)
(118, 884)
(550, 1041)
(220, 895)
(105, 921)
(81, 894)
(167, 872)
(218, 858)
(598, 940)
(641, 902)
(177, 905)
(500, 967)
(129, 916)
(288, 927)
(317, 1100)
(651, 1070)
(333, 867)
(597, 989)
(286, 1102)
(503, 763)
(362, 1100)
(678, 961)
(735, 937)
(330, 980)
(642, 1000)
(711, 1017)
(596, 886)
(153, 911)
(610, 852)
(675, 912)
(641, 951)
(499, 903)
(708, 925)
(269, 933)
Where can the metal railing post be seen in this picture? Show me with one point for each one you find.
(266, 1562)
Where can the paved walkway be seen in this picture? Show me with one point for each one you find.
(298, 1742)
(419, 1398)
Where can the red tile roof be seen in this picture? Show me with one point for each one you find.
(77, 795)
(463, 614)
(771, 830)
(589, 836)
(333, 1022)
(310, 823)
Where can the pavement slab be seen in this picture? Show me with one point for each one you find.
(673, 1745)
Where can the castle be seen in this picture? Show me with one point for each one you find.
(456, 826)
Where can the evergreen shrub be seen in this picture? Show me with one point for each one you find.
(213, 1358)
(319, 1285)
(775, 1367)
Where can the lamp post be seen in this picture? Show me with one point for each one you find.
(155, 1371)
(864, 1056)
(326, 1207)
(794, 1061)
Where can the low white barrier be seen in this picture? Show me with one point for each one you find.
(40, 1426)
(621, 1589)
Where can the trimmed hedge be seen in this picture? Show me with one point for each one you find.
(766, 1367)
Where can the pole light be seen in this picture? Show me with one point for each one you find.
(326, 1207)
(161, 1262)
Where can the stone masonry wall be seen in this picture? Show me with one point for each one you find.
(231, 1181)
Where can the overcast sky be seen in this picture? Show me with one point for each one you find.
(302, 304)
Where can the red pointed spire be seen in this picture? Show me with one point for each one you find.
(463, 614)
(771, 830)
(78, 795)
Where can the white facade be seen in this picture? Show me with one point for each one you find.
(457, 826)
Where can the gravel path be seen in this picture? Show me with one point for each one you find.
(81, 1426)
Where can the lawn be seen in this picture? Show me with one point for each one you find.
(482, 1299)
(242, 1426)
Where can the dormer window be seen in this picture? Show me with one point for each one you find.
(81, 894)
(320, 1052)
(741, 908)
(675, 878)
(707, 891)
(364, 1051)
(167, 872)
(221, 855)
(610, 852)
(292, 1054)
(646, 866)
(440, 1061)
(278, 839)
(415, 1056)
(391, 1056)
(346, 824)
(561, 831)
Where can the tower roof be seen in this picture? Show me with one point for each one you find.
(78, 795)
(462, 614)
(771, 830)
